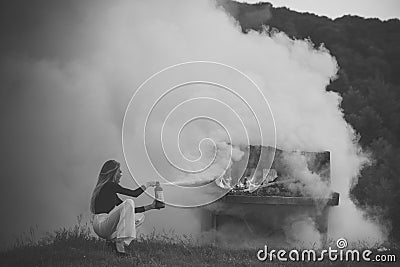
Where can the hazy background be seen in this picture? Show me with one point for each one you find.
(69, 68)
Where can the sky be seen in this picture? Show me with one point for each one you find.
(382, 9)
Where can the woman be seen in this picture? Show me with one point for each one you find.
(114, 219)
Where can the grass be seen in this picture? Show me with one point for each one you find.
(77, 247)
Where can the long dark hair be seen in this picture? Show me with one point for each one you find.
(107, 174)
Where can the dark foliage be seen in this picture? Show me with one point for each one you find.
(368, 54)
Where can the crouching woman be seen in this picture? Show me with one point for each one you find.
(114, 219)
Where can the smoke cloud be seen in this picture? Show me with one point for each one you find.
(309, 183)
(68, 71)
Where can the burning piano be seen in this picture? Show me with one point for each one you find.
(275, 189)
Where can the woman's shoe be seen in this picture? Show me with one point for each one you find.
(139, 219)
(120, 248)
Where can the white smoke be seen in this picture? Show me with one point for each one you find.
(226, 155)
(301, 231)
(308, 183)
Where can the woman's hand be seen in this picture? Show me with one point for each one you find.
(158, 204)
(150, 184)
(153, 205)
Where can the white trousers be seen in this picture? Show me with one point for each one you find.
(118, 224)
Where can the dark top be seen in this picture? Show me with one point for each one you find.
(107, 198)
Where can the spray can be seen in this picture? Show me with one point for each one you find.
(159, 195)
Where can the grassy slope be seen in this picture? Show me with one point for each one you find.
(144, 253)
(76, 247)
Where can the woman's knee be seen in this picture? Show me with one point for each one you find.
(129, 202)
